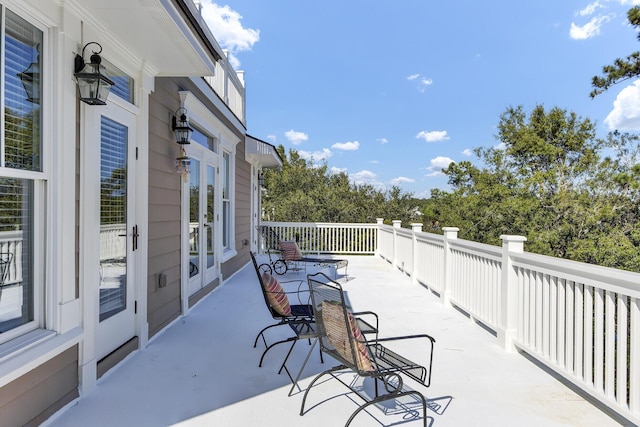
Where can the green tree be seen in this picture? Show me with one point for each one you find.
(307, 192)
(621, 69)
(548, 181)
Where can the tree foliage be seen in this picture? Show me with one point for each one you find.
(621, 69)
(549, 181)
(306, 192)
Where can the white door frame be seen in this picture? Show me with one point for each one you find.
(96, 344)
(191, 285)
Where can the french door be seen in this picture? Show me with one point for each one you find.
(199, 200)
(117, 229)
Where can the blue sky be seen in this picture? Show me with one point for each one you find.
(392, 91)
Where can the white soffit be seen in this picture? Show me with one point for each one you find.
(156, 32)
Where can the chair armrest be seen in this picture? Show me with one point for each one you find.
(404, 337)
(366, 325)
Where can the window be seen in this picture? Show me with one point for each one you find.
(21, 179)
(123, 84)
(205, 140)
(226, 201)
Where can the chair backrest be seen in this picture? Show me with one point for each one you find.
(5, 263)
(278, 298)
(273, 312)
(339, 334)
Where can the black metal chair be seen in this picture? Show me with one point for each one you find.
(299, 317)
(289, 254)
(340, 338)
(5, 264)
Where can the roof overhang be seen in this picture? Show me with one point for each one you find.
(168, 35)
(261, 154)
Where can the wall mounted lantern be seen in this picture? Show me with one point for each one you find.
(93, 82)
(30, 79)
(180, 126)
(261, 179)
(183, 163)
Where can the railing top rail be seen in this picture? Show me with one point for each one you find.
(610, 279)
(430, 237)
(482, 249)
(318, 224)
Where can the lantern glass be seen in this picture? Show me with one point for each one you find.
(94, 84)
(30, 79)
(181, 127)
(183, 165)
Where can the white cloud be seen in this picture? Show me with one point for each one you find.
(630, 2)
(626, 109)
(588, 30)
(433, 136)
(336, 170)
(423, 82)
(375, 162)
(468, 152)
(347, 146)
(382, 140)
(437, 164)
(225, 25)
(590, 9)
(271, 138)
(401, 180)
(315, 156)
(366, 177)
(295, 137)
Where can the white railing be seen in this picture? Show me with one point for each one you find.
(327, 238)
(229, 86)
(113, 242)
(580, 320)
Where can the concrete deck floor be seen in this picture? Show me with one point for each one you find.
(203, 369)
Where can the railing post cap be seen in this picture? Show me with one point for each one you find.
(416, 225)
(380, 220)
(512, 238)
(396, 223)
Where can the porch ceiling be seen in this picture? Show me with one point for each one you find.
(169, 35)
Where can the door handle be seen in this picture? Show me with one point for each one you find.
(135, 237)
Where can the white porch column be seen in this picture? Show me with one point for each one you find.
(396, 224)
(379, 223)
(450, 233)
(508, 322)
(416, 228)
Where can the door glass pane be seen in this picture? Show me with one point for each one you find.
(194, 218)
(226, 202)
(22, 89)
(16, 253)
(211, 174)
(113, 217)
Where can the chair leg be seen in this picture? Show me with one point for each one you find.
(273, 345)
(388, 397)
(287, 357)
(329, 371)
(306, 359)
(261, 334)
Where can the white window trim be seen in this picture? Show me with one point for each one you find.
(43, 310)
(202, 117)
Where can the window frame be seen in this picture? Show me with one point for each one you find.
(40, 215)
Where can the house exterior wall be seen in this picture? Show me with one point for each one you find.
(33, 397)
(53, 359)
(164, 304)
